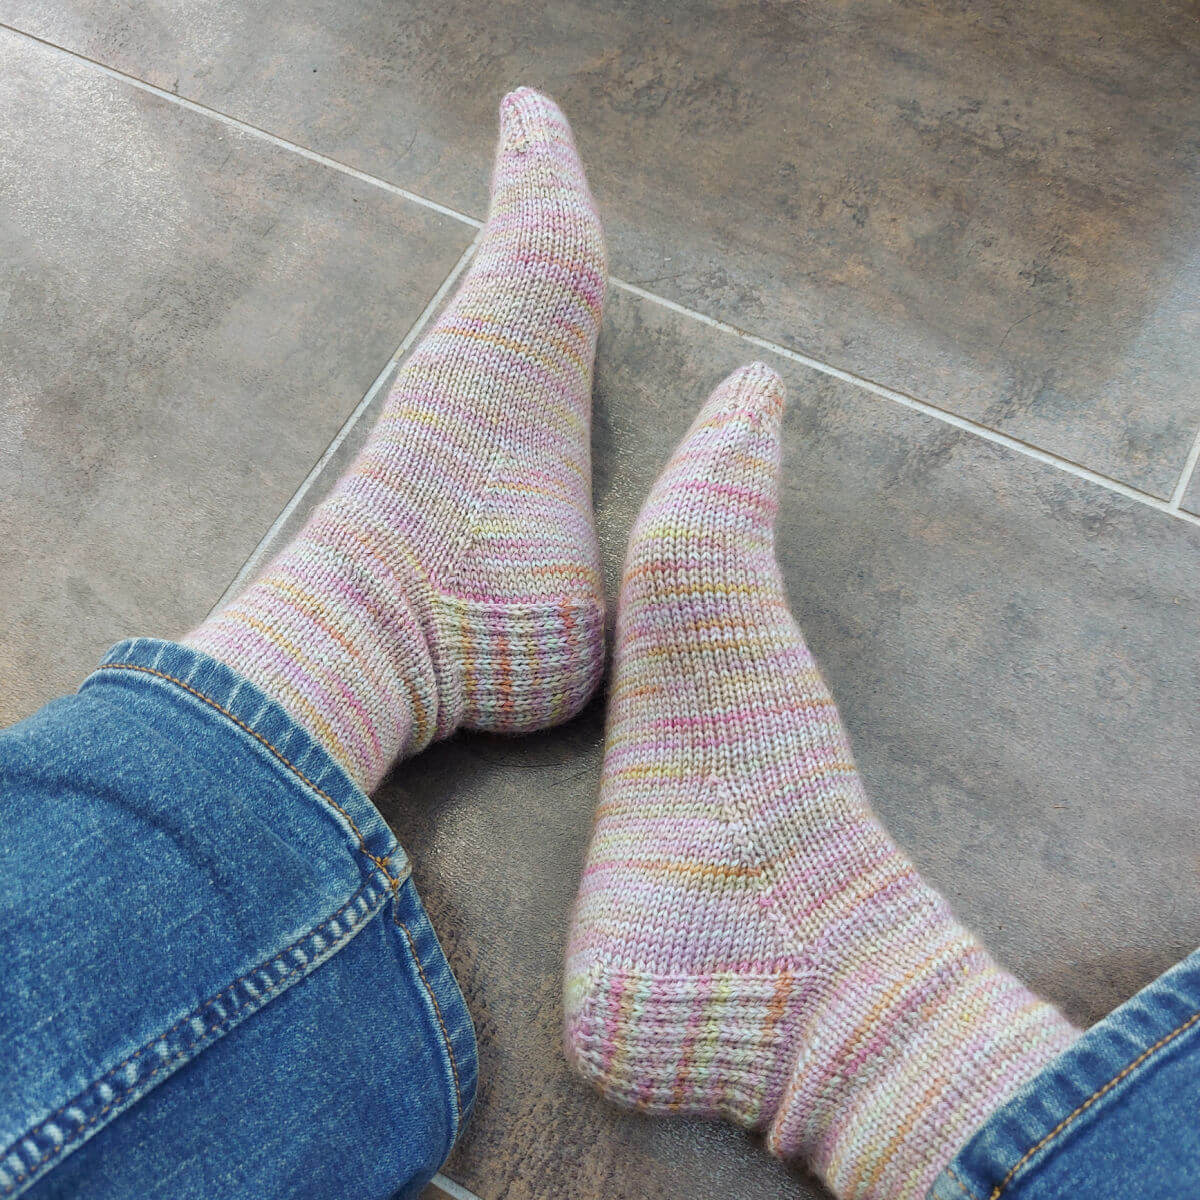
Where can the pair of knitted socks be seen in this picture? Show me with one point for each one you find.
(748, 942)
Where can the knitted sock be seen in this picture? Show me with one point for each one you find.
(747, 941)
(452, 577)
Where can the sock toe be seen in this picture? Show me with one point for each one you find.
(753, 394)
(530, 120)
(724, 477)
(736, 432)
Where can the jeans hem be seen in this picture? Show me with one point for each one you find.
(33, 1153)
(377, 869)
(1075, 1089)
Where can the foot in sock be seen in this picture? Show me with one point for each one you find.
(452, 577)
(748, 942)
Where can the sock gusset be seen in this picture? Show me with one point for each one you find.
(517, 628)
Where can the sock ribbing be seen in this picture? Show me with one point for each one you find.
(747, 941)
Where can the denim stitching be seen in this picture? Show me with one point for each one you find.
(437, 1008)
(966, 1191)
(1141, 1058)
(380, 862)
(189, 1050)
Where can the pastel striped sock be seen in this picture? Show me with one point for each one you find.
(747, 941)
(452, 576)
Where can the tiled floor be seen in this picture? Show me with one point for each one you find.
(967, 235)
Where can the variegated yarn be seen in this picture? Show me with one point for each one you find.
(451, 578)
(748, 942)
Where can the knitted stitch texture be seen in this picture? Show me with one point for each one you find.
(452, 576)
(747, 941)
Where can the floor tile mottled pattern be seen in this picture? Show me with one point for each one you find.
(186, 318)
(991, 208)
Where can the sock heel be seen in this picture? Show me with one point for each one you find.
(701, 1045)
(521, 667)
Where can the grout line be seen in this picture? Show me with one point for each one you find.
(1170, 507)
(253, 130)
(455, 1190)
(1189, 469)
(251, 565)
(930, 410)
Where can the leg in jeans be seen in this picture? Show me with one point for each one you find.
(219, 979)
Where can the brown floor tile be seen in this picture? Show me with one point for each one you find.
(991, 206)
(187, 315)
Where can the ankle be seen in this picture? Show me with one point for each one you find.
(913, 1039)
(514, 668)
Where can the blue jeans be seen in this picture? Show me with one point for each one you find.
(1115, 1116)
(178, 855)
(217, 977)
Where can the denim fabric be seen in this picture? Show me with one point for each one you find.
(218, 977)
(1116, 1115)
